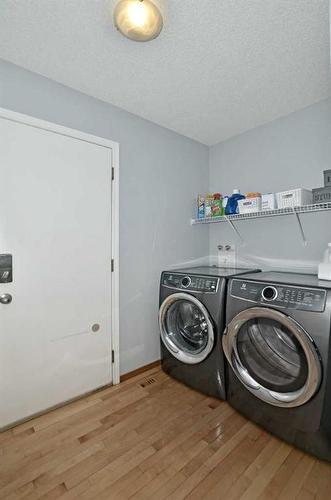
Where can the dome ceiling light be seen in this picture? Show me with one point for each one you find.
(139, 20)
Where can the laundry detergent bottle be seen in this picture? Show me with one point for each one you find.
(324, 269)
(232, 204)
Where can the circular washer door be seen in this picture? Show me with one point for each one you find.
(186, 328)
(273, 356)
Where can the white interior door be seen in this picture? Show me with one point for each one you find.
(55, 220)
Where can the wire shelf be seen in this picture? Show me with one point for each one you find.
(320, 207)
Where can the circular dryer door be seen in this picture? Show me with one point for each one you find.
(273, 356)
(186, 328)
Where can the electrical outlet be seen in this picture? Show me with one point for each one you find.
(226, 255)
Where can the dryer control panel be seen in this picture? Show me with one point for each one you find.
(284, 296)
(190, 282)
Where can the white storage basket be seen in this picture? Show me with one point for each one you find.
(294, 198)
(249, 205)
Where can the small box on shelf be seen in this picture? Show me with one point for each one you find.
(269, 201)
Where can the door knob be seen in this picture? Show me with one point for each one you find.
(6, 298)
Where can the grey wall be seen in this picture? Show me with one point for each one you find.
(287, 153)
(160, 174)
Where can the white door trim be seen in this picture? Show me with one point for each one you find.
(114, 146)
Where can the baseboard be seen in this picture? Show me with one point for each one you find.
(140, 370)
(49, 409)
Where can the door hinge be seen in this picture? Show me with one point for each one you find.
(112, 265)
(112, 173)
(113, 356)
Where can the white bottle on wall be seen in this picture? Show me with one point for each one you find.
(324, 269)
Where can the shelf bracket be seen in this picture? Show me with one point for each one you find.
(302, 232)
(234, 228)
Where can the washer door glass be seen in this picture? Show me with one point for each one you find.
(186, 328)
(273, 356)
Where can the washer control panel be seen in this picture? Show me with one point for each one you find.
(190, 282)
(284, 296)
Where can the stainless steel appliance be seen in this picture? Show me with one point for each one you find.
(192, 320)
(277, 346)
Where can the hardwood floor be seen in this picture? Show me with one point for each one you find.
(152, 437)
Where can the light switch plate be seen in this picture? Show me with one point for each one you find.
(226, 255)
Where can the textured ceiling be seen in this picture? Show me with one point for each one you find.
(220, 67)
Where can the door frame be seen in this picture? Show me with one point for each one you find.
(8, 114)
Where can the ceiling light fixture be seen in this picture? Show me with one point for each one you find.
(139, 20)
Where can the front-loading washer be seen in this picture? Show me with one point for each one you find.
(191, 321)
(277, 345)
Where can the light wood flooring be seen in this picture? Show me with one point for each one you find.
(151, 437)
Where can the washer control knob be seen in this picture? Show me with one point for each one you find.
(186, 282)
(269, 293)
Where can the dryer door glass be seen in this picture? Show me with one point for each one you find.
(186, 328)
(273, 356)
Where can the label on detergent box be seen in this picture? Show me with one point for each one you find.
(249, 205)
(322, 195)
